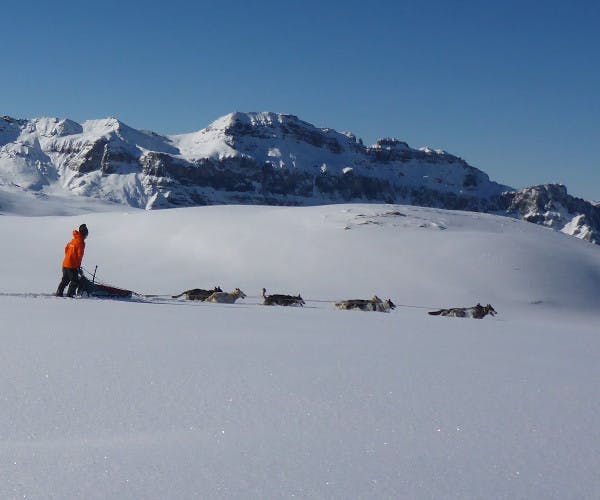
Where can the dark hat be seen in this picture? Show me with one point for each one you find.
(83, 230)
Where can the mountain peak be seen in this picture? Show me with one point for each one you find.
(390, 143)
(253, 119)
(50, 127)
(103, 126)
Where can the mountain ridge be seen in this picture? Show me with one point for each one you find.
(262, 158)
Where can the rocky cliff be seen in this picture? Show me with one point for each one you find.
(550, 205)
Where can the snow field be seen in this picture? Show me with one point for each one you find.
(117, 399)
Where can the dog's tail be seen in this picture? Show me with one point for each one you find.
(264, 293)
(435, 313)
(177, 296)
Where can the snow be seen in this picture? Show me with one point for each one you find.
(163, 398)
(577, 227)
(206, 143)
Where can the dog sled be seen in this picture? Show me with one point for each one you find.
(91, 288)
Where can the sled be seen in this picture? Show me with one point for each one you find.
(91, 289)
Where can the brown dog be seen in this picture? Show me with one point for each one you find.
(198, 293)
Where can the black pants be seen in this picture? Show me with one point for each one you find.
(70, 277)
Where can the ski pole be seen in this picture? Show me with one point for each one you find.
(94, 275)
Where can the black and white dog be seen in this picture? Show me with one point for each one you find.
(374, 304)
(281, 299)
(226, 297)
(477, 312)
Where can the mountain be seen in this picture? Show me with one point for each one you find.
(260, 158)
(550, 205)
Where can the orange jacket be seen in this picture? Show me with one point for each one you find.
(74, 251)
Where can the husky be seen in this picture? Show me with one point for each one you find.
(226, 297)
(198, 293)
(281, 300)
(374, 304)
(477, 312)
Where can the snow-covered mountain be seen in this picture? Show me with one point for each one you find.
(551, 206)
(256, 158)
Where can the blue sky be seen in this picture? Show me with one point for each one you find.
(513, 87)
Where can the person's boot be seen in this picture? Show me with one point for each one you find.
(71, 289)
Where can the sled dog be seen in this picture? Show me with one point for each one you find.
(226, 297)
(281, 300)
(477, 312)
(198, 293)
(374, 304)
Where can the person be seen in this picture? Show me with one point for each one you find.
(71, 266)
